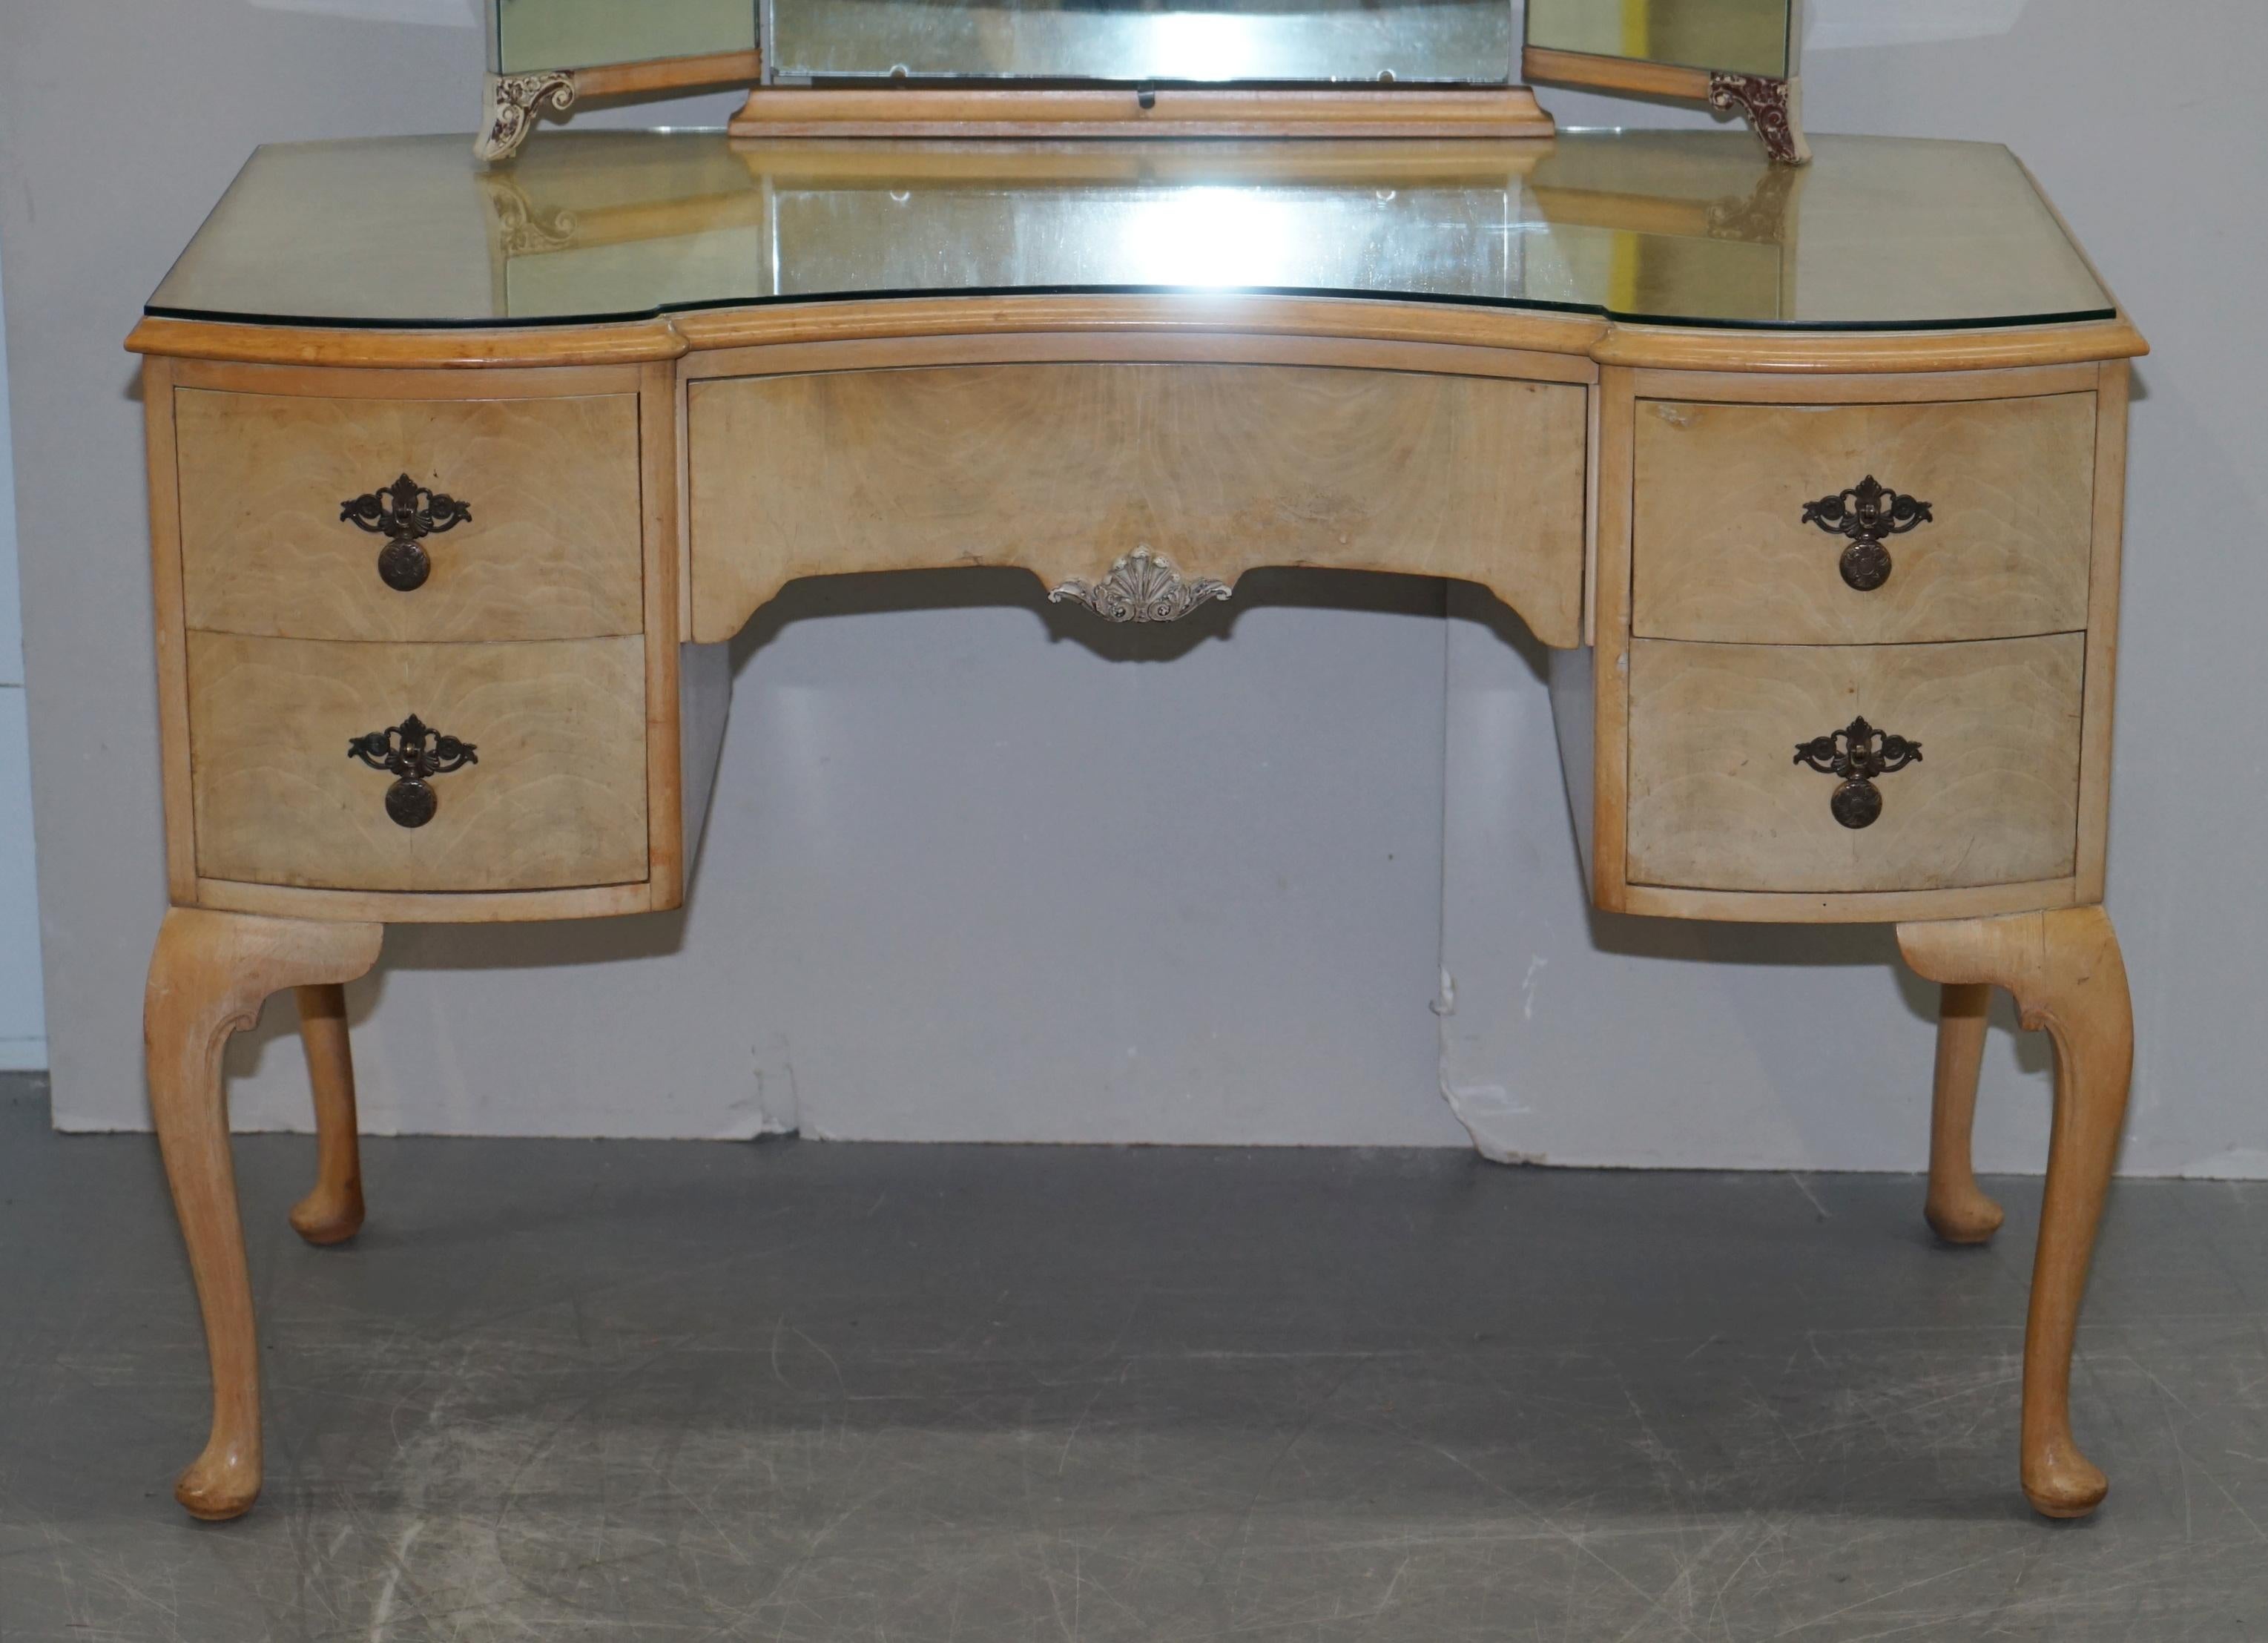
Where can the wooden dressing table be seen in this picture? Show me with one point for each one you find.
(459, 480)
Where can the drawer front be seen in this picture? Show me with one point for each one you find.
(550, 550)
(1721, 548)
(1063, 467)
(1720, 800)
(555, 795)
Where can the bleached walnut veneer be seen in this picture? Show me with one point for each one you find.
(1811, 480)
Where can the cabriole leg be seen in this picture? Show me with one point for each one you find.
(208, 978)
(1956, 1208)
(332, 1213)
(2068, 977)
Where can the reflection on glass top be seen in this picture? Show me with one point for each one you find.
(1433, 41)
(1687, 228)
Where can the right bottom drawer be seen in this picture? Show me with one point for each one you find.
(1727, 742)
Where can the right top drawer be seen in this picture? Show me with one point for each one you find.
(1722, 549)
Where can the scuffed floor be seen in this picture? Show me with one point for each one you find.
(794, 1391)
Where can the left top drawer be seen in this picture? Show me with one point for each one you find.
(287, 503)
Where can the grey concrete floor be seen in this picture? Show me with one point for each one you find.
(796, 1391)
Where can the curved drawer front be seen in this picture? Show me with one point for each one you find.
(1063, 468)
(550, 549)
(1722, 550)
(547, 791)
(1719, 800)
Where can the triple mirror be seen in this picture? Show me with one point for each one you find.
(1199, 68)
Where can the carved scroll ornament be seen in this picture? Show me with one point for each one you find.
(1141, 587)
(513, 102)
(1772, 108)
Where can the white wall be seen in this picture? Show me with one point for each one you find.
(23, 1025)
(974, 874)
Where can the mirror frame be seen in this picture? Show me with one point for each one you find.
(512, 104)
(1772, 106)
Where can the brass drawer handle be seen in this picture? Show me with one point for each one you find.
(413, 754)
(1867, 513)
(404, 512)
(1857, 753)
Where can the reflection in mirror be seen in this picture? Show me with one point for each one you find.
(1740, 36)
(1433, 42)
(1735, 55)
(536, 34)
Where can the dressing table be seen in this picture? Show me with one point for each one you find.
(460, 478)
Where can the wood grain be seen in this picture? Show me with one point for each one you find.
(557, 799)
(1717, 802)
(208, 976)
(467, 348)
(552, 550)
(1610, 682)
(2069, 978)
(157, 377)
(1849, 907)
(660, 473)
(1722, 550)
(1657, 347)
(955, 111)
(2102, 628)
(414, 907)
(1063, 468)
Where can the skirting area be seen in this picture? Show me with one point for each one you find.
(797, 1391)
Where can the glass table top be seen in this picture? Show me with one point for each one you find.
(1681, 228)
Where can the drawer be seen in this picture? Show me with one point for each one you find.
(551, 548)
(557, 796)
(1721, 550)
(1062, 468)
(1718, 799)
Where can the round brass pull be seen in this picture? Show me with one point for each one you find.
(404, 512)
(413, 754)
(1858, 753)
(1867, 512)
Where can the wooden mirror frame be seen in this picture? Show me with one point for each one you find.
(513, 102)
(1772, 106)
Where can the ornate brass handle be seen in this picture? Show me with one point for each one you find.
(404, 512)
(1858, 753)
(1867, 513)
(413, 754)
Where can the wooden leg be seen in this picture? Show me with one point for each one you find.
(2066, 973)
(208, 978)
(1956, 1208)
(332, 1213)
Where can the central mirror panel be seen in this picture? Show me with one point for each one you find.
(1458, 42)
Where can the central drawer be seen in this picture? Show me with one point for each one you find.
(1720, 797)
(554, 795)
(1063, 467)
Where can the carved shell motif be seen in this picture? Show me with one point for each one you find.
(1141, 587)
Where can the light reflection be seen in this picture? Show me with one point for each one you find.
(1213, 237)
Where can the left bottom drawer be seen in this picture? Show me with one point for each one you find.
(545, 786)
